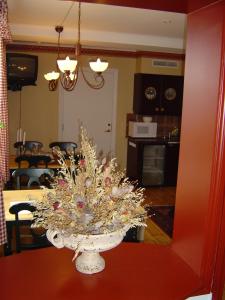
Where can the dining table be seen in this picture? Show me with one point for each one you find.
(11, 197)
(53, 164)
(133, 271)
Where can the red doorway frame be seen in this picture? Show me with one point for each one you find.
(213, 259)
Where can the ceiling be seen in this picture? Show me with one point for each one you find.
(102, 26)
(181, 6)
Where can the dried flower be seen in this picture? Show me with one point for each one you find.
(56, 205)
(90, 197)
(88, 182)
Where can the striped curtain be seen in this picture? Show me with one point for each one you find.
(5, 37)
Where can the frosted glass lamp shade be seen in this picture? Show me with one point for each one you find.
(98, 66)
(52, 76)
(67, 64)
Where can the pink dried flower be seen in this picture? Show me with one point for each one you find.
(108, 181)
(56, 205)
(82, 163)
(80, 204)
(62, 182)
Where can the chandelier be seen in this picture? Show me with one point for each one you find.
(68, 69)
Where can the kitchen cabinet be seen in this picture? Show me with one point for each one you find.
(153, 162)
(171, 163)
(157, 94)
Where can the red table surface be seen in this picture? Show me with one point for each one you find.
(133, 271)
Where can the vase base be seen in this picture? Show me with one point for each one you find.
(90, 263)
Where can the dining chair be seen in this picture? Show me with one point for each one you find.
(132, 235)
(68, 148)
(29, 176)
(27, 237)
(34, 160)
(28, 147)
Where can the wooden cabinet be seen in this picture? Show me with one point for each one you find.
(152, 162)
(157, 94)
(134, 160)
(171, 163)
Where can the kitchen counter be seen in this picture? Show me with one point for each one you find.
(155, 140)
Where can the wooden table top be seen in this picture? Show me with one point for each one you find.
(16, 196)
(134, 271)
(14, 165)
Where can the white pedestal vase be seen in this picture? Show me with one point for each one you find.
(90, 261)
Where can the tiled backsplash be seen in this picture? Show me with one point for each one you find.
(165, 123)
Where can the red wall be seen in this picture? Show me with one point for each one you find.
(201, 95)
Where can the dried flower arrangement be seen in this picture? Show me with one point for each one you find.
(90, 197)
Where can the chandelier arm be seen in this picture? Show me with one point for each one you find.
(67, 83)
(52, 85)
(99, 80)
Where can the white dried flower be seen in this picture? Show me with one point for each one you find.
(88, 182)
(104, 161)
(115, 191)
(128, 189)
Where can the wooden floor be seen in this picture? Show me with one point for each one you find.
(158, 196)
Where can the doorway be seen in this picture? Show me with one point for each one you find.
(93, 109)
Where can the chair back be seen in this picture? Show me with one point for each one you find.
(68, 148)
(35, 237)
(34, 176)
(132, 235)
(28, 146)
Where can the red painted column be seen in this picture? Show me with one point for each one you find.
(202, 92)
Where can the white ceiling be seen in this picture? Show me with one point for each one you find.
(102, 26)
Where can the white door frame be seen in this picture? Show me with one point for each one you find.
(114, 107)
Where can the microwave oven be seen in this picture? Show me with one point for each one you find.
(142, 129)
